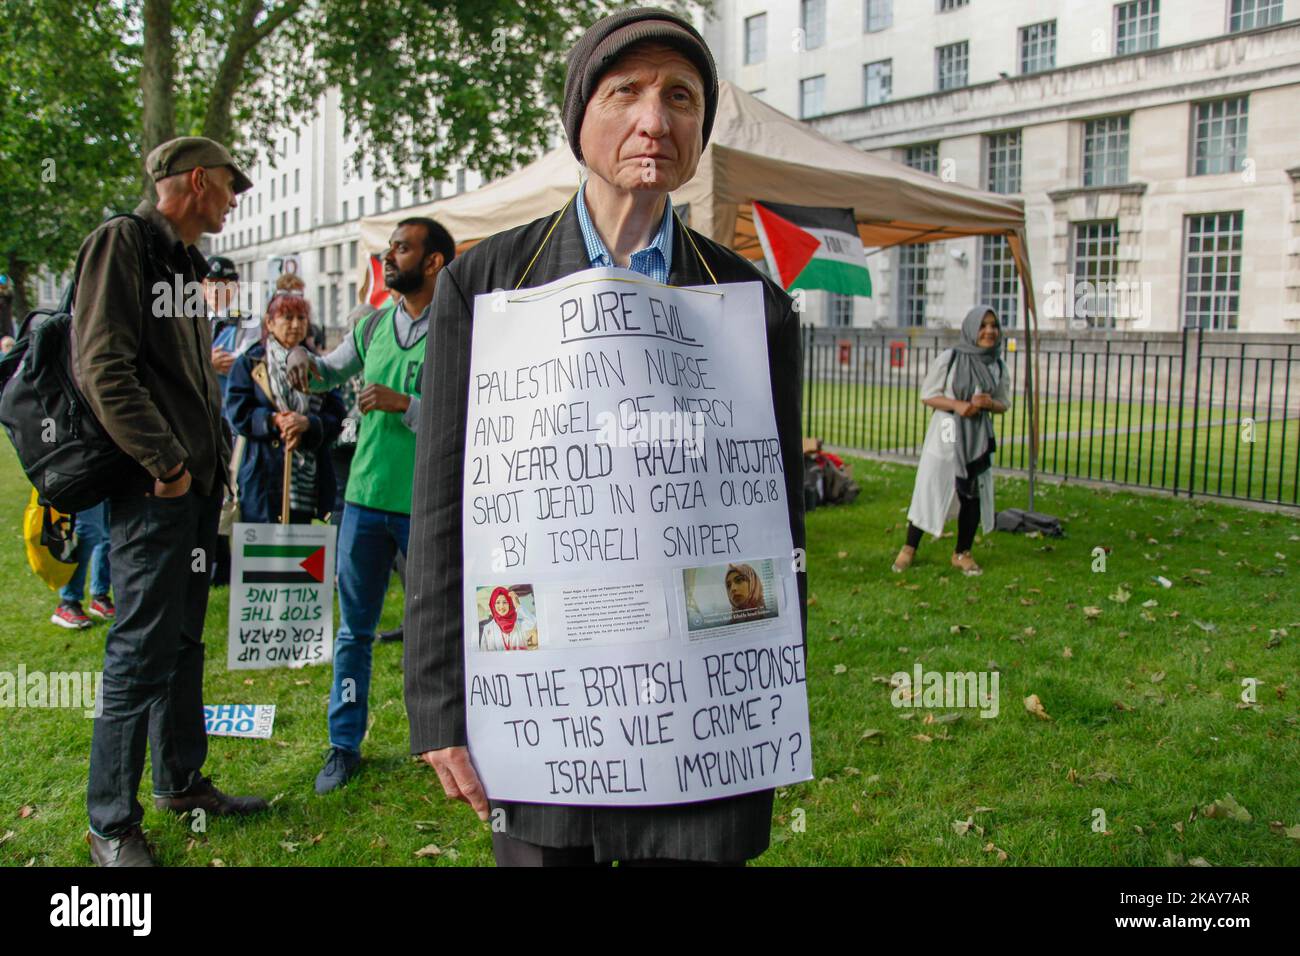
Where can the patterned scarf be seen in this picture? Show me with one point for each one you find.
(302, 488)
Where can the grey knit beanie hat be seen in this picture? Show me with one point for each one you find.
(608, 38)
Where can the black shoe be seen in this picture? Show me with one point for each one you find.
(204, 796)
(389, 635)
(129, 849)
(340, 767)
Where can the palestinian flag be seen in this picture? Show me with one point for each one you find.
(376, 291)
(809, 247)
(284, 564)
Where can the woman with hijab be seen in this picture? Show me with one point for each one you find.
(275, 418)
(511, 628)
(745, 592)
(966, 386)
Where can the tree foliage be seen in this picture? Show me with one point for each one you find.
(424, 86)
(68, 121)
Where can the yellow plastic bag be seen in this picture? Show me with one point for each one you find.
(51, 543)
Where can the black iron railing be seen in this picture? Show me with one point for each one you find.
(1192, 412)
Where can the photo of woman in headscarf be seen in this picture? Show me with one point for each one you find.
(510, 627)
(745, 592)
(966, 386)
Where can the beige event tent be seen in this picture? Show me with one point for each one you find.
(756, 152)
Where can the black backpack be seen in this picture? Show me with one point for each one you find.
(62, 447)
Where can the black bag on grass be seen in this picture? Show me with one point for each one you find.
(1023, 522)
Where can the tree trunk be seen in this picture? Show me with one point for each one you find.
(244, 38)
(18, 272)
(157, 81)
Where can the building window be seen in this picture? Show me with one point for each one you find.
(879, 15)
(284, 179)
(946, 5)
(1219, 137)
(320, 299)
(379, 200)
(1038, 47)
(879, 78)
(1002, 160)
(1137, 26)
(1212, 271)
(923, 156)
(272, 189)
(270, 226)
(1248, 14)
(352, 254)
(437, 189)
(345, 210)
(1096, 245)
(320, 259)
(911, 284)
(953, 65)
(1105, 151)
(756, 38)
(352, 294)
(297, 180)
(811, 93)
(297, 222)
(284, 222)
(999, 283)
(361, 207)
(460, 181)
(839, 310)
(812, 18)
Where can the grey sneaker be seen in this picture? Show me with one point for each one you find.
(340, 767)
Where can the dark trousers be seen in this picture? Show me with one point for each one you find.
(153, 655)
(968, 522)
(221, 562)
(511, 851)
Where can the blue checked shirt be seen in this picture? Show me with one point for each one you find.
(655, 261)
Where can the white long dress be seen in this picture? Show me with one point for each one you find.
(936, 477)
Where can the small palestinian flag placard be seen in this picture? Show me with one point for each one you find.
(810, 247)
(281, 595)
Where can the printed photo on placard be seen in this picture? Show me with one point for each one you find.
(723, 595)
(507, 618)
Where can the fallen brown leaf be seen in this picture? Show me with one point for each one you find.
(1035, 707)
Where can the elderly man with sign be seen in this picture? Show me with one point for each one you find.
(640, 98)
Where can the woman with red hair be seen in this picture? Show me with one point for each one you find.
(277, 419)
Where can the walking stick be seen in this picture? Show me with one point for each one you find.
(288, 478)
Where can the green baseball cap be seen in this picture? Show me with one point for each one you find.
(184, 153)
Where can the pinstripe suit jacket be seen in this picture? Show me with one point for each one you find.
(725, 830)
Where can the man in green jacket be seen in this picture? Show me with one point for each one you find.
(141, 353)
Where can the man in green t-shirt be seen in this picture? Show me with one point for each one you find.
(387, 348)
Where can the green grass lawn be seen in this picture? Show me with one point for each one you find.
(1146, 725)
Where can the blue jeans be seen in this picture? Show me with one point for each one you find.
(369, 540)
(92, 553)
